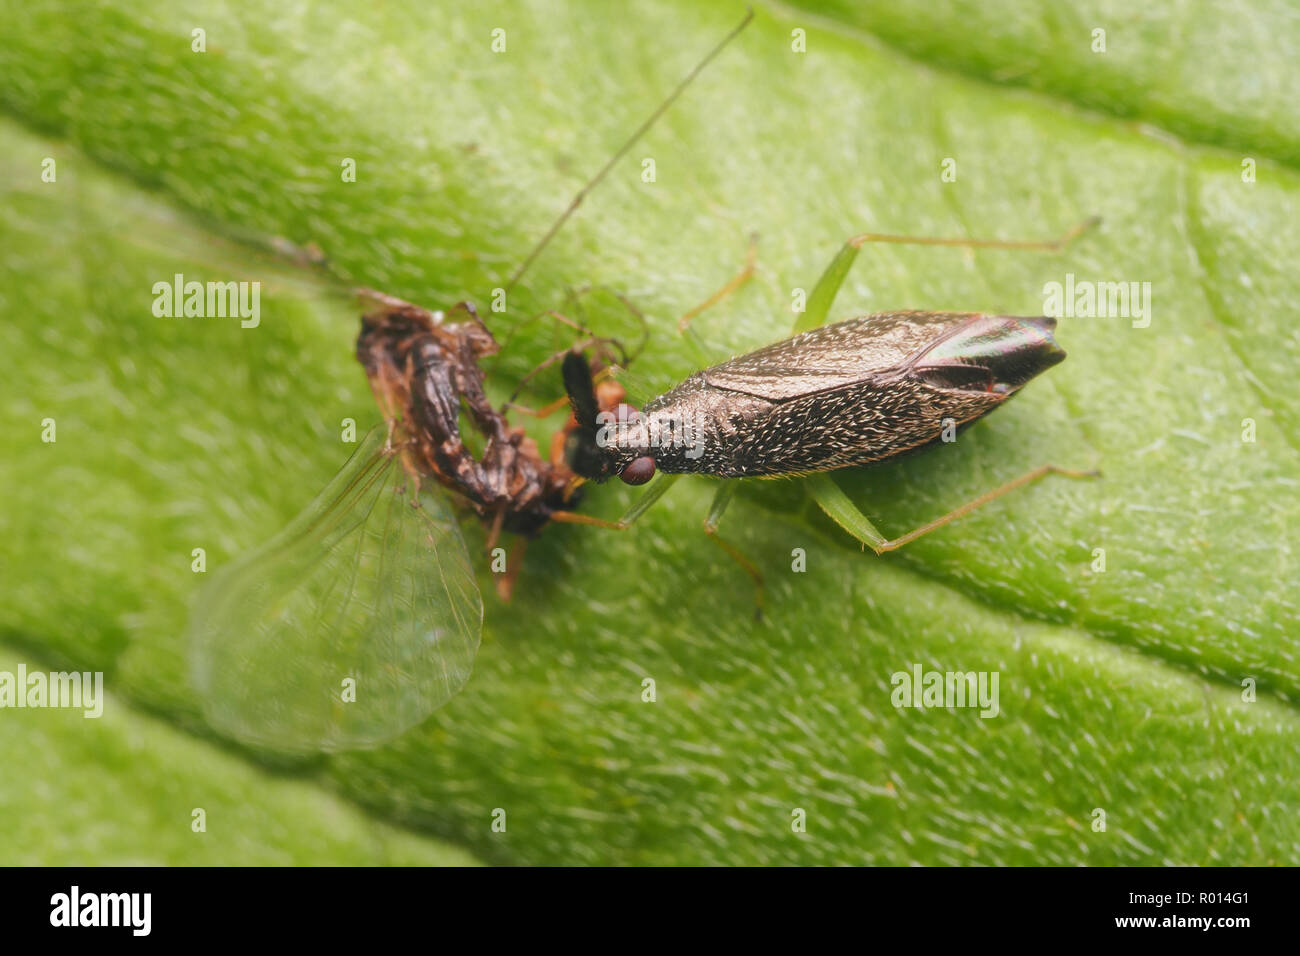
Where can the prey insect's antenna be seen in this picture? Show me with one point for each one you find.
(622, 150)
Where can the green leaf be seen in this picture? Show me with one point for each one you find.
(122, 788)
(1120, 689)
(1216, 73)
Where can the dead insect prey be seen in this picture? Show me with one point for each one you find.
(424, 370)
(369, 593)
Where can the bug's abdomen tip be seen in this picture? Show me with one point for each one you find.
(997, 353)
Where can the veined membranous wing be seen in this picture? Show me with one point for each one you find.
(351, 625)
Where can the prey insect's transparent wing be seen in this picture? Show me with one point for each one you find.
(348, 627)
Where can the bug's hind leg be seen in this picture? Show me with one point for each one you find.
(823, 294)
(832, 500)
(727, 491)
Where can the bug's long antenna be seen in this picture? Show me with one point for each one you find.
(622, 151)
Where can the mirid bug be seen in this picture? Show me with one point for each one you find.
(855, 393)
(369, 592)
(844, 395)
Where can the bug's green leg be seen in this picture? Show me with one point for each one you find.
(832, 500)
(843, 512)
(823, 294)
(735, 282)
(745, 273)
(639, 507)
(506, 583)
(727, 491)
(824, 490)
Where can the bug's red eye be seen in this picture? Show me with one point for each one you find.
(639, 471)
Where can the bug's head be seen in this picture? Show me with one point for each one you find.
(592, 448)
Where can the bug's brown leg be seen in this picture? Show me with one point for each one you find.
(843, 512)
(735, 282)
(573, 295)
(639, 507)
(636, 314)
(576, 294)
(727, 491)
(823, 294)
(602, 344)
(1041, 245)
(608, 395)
(1041, 471)
(546, 411)
(558, 317)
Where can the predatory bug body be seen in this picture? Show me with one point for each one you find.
(858, 392)
(854, 393)
(363, 615)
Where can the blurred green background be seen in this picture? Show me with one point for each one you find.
(1121, 690)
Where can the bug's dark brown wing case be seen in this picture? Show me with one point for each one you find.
(851, 394)
(834, 356)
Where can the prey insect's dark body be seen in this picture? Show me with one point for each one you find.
(849, 394)
(424, 370)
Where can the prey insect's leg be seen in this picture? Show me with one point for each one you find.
(735, 282)
(727, 491)
(627, 303)
(558, 317)
(823, 294)
(550, 408)
(602, 344)
(514, 561)
(640, 507)
(494, 530)
(832, 500)
(548, 362)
